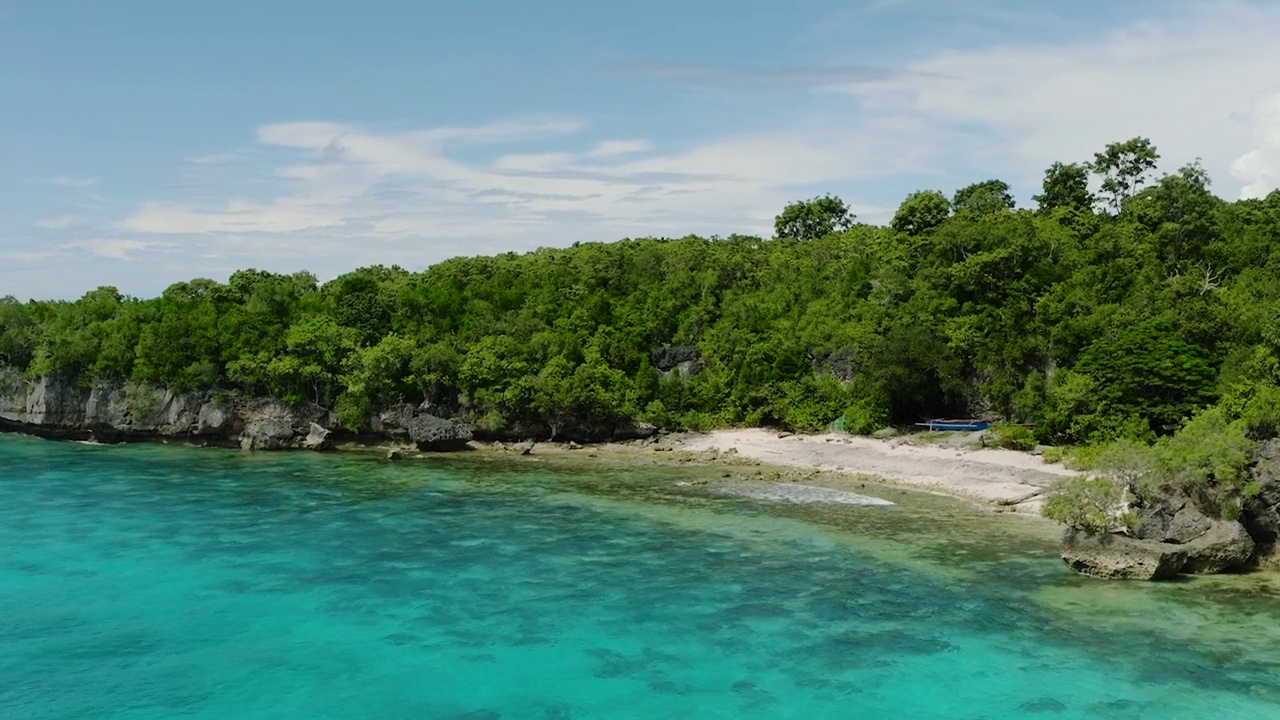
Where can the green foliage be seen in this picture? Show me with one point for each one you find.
(144, 401)
(812, 219)
(1128, 463)
(983, 198)
(1066, 187)
(17, 333)
(1087, 503)
(1208, 458)
(1052, 456)
(1123, 168)
(868, 410)
(1013, 437)
(921, 212)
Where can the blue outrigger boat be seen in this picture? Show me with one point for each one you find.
(956, 425)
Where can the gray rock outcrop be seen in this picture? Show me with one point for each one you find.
(634, 430)
(1172, 536)
(1117, 557)
(1224, 547)
(1171, 518)
(429, 432)
(683, 360)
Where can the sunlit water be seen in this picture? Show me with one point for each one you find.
(156, 582)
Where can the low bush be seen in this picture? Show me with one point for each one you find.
(1013, 437)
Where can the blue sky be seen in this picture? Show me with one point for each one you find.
(146, 142)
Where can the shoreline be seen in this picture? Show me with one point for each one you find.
(1004, 481)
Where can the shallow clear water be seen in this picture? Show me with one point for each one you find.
(156, 582)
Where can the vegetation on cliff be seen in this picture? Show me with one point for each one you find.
(1090, 318)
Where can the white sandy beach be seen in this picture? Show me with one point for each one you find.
(997, 477)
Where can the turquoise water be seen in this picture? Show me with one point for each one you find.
(156, 582)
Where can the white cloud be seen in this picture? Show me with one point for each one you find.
(1200, 82)
(613, 148)
(1259, 169)
(116, 248)
(1183, 81)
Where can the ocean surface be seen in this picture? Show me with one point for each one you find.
(162, 582)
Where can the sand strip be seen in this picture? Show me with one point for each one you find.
(1003, 478)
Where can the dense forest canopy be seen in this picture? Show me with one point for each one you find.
(1094, 316)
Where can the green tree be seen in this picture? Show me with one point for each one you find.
(920, 212)
(18, 330)
(812, 219)
(983, 198)
(1123, 168)
(1066, 186)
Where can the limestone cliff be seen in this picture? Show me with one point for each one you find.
(119, 412)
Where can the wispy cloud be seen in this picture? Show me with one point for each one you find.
(735, 76)
(70, 181)
(614, 148)
(55, 223)
(115, 248)
(332, 196)
(223, 158)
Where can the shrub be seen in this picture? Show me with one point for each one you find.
(1052, 455)
(491, 421)
(143, 401)
(1208, 458)
(1013, 437)
(868, 410)
(1087, 503)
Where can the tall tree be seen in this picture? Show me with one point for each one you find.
(983, 198)
(812, 219)
(1065, 186)
(920, 212)
(1124, 167)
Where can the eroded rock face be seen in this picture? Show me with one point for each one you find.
(429, 432)
(634, 431)
(1262, 511)
(318, 438)
(1224, 547)
(213, 418)
(56, 403)
(268, 433)
(1117, 557)
(1172, 536)
(1267, 557)
(1172, 518)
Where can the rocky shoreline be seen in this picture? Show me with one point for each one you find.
(130, 412)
